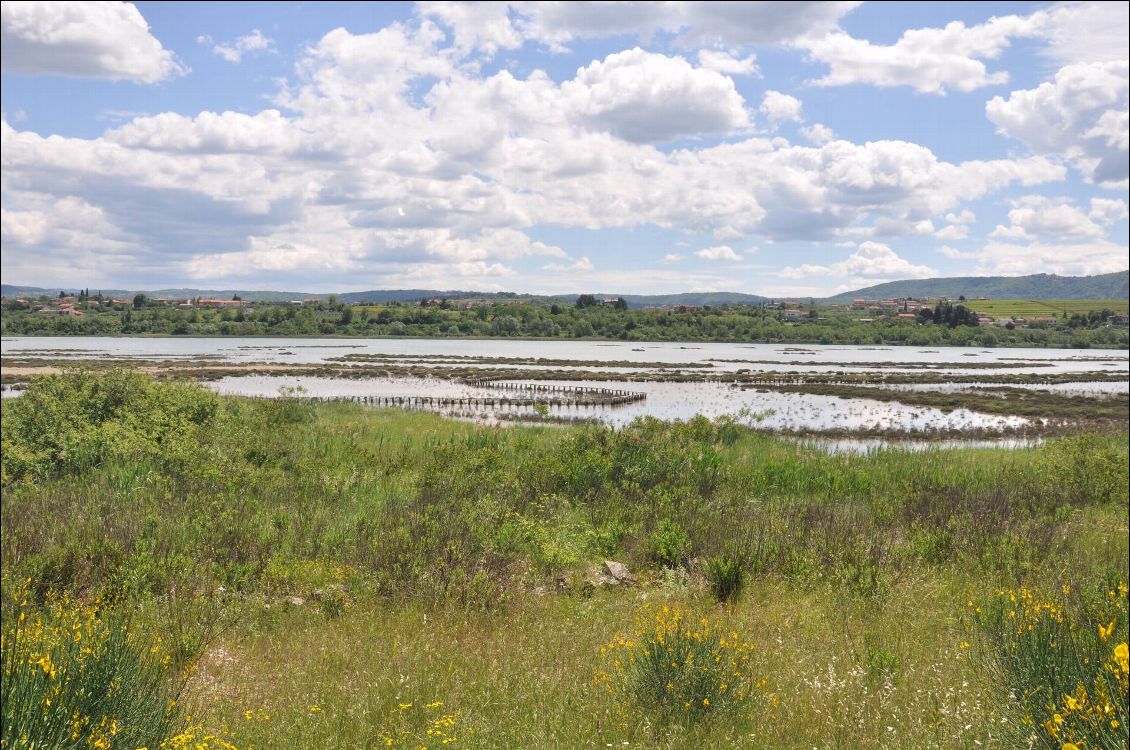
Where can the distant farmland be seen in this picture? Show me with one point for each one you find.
(1023, 308)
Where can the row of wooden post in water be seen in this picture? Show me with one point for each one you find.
(554, 395)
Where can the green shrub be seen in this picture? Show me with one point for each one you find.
(1064, 659)
(882, 663)
(670, 544)
(291, 407)
(333, 604)
(1083, 469)
(70, 423)
(675, 666)
(726, 575)
(74, 676)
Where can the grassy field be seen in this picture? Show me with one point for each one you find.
(1020, 308)
(332, 576)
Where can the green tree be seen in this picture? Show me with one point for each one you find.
(586, 300)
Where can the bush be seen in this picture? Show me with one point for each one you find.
(670, 544)
(67, 424)
(1065, 663)
(676, 667)
(726, 576)
(291, 407)
(75, 677)
(1092, 466)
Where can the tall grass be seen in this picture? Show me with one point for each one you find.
(243, 495)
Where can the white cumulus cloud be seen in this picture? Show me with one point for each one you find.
(651, 98)
(778, 108)
(719, 252)
(722, 61)
(507, 25)
(870, 260)
(931, 60)
(234, 51)
(108, 40)
(1038, 216)
(1082, 116)
(581, 264)
(818, 133)
(1084, 258)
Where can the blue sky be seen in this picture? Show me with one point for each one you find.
(773, 148)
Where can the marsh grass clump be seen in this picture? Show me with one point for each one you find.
(674, 666)
(76, 676)
(726, 575)
(291, 407)
(1063, 659)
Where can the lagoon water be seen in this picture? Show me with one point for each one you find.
(667, 400)
(722, 357)
(768, 410)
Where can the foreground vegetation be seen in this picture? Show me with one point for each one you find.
(286, 574)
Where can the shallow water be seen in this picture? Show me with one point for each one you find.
(865, 446)
(1081, 388)
(769, 410)
(766, 409)
(784, 358)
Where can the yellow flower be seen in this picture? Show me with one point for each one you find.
(1105, 633)
(1069, 746)
(315, 708)
(1122, 657)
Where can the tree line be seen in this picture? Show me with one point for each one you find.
(946, 325)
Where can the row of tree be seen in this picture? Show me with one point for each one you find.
(948, 326)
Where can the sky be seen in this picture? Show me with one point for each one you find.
(775, 148)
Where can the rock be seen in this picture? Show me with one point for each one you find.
(333, 590)
(562, 584)
(296, 601)
(619, 572)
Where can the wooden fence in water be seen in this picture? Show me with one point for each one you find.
(526, 395)
(570, 395)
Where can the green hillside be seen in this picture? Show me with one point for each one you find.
(1036, 287)
(1025, 308)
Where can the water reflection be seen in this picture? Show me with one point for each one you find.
(768, 410)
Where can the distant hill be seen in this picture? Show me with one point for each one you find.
(698, 299)
(1038, 286)
(378, 296)
(11, 290)
(633, 300)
